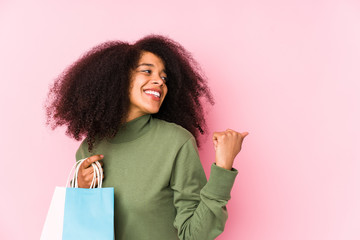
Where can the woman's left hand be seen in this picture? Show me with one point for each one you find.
(227, 145)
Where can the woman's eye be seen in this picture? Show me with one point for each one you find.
(164, 79)
(147, 71)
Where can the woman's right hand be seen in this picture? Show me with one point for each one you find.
(86, 171)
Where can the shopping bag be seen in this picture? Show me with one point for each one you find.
(81, 213)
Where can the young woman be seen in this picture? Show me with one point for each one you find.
(139, 108)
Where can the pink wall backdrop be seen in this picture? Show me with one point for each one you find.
(287, 71)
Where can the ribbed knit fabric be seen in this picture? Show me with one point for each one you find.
(161, 190)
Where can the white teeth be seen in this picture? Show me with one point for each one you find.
(153, 93)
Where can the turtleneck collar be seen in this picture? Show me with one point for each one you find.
(133, 129)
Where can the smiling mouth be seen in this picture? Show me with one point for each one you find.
(153, 93)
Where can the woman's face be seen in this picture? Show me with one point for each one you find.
(147, 86)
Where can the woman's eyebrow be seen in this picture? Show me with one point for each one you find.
(146, 64)
(149, 65)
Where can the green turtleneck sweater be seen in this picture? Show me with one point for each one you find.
(161, 190)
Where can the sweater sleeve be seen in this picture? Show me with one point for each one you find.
(200, 205)
(81, 151)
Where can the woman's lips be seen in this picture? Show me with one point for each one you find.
(153, 93)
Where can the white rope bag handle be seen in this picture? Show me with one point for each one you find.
(97, 174)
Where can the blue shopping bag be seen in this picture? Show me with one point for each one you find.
(89, 214)
(80, 213)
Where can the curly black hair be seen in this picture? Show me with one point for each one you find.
(91, 97)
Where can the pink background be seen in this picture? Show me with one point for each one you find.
(286, 71)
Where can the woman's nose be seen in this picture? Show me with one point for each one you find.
(158, 81)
